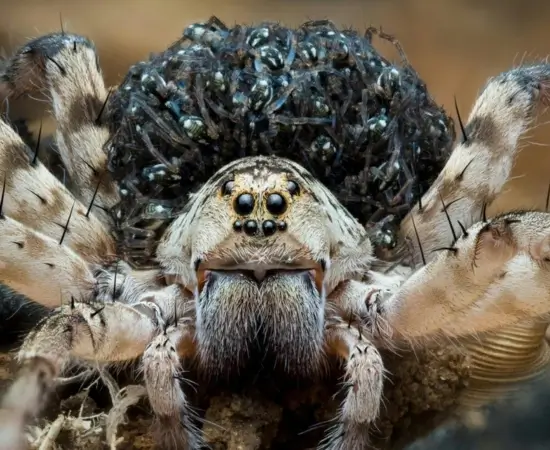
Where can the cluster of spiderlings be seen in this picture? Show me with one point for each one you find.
(366, 128)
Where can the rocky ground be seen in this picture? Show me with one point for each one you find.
(82, 414)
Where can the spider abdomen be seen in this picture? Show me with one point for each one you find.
(318, 95)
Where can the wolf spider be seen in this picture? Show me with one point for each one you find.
(262, 246)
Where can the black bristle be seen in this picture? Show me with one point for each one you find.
(92, 168)
(419, 243)
(97, 311)
(463, 228)
(2, 216)
(332, 103)
(450, 222)
(93, 199)
(453, 250)
(462, 129)
(37, 146)
(100, 113)
(59, 66)
(461, 174)
(66, 227)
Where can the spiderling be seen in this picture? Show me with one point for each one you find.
(321, 96)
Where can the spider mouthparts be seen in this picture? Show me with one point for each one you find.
(318, 277)
(202, 276)
(259, 272)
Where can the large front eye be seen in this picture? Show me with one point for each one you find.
(244, 204)
(276, 204)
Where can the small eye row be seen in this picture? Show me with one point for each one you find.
(251, 228)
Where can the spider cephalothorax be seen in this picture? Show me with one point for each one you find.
(263, 243)
(262, 254)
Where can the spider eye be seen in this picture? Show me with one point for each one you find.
(276, 204)
(269, 227)
(227, 187)
(293, 187)
(251, 227)
(244, 204)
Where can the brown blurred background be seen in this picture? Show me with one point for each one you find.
(454, 44)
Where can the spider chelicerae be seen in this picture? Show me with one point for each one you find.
(269, 189)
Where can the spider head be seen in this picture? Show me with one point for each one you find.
(264, 215)
(267, 222)
(260, 245)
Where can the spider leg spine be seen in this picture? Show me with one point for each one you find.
(37, 199)
(501, 262)
(66, 67)
(36, 265)
(480, 164)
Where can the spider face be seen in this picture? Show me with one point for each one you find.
(261, 200)
(265, 214)
(264, 233)
(262, 254)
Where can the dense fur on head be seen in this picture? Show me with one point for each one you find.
(263, 254)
